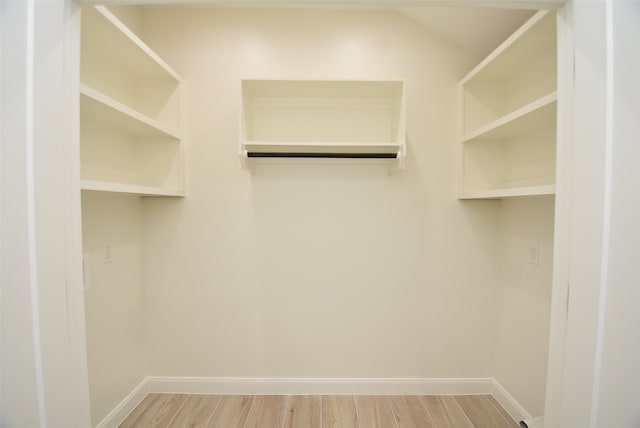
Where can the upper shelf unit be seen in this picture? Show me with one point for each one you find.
(129, 112)
(322, 119)
(508, 142)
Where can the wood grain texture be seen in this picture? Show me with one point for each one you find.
(232, 411)
(374, 411)
(196, 411)
(409, 412)
(266, 412)
(482, 413)
(314, 411)
(131, 419)
(160, 411)
(445, 412)
(303, 411)
(339, 411)
(168, 411)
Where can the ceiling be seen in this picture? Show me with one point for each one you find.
(474, 29)
(478, 29)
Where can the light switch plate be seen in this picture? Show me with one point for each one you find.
(533, 253)
(107, 252)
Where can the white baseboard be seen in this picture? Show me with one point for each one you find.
(126, 406)
(512, 407)
(318, 386)
(313, 386)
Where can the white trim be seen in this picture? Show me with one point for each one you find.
(562, 239)
(126, 406)
(320, 386)
(515, 410)
(31, 213)
(73, 219)
(501, 4)
(606, 214)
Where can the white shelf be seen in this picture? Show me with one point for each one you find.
(115, 62)
(321, 147)
(105, 186)
(509, 113)
(519, 72)
(129, 112)
(535, 115)
(511, 192)
(332, 118)
(99, 106)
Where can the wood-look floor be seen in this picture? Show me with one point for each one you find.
(315, 411)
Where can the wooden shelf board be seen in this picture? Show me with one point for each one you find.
(104, 108)
(513, 192)
(105, 186)
(534, 115)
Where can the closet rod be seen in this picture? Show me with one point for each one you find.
(322, 155)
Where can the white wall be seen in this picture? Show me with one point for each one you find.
(523, 335)
(114, 298)
(322, 270)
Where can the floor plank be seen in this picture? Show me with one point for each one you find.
(232, 411)
(339, 411)
(266, 412)
(445, 412)
(303, 411)
(482, 413)
(161, 411)
(165, 415)
(139, 410)
(409, 412)
(196, 412)
(374, 411)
